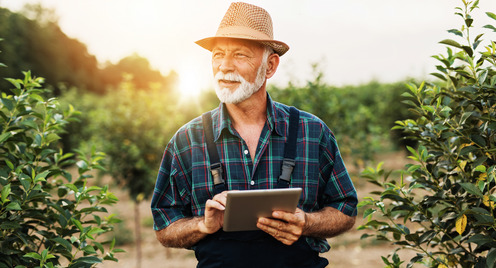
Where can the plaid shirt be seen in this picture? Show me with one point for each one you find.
(184, 181)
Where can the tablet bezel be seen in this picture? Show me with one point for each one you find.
(243, 208)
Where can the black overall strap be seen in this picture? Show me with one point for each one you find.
(288, 163)
(215, 164)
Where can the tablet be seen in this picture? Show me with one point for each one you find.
(243, 208)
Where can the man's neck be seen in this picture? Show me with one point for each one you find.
(252, 111)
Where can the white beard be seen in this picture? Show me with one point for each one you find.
(244, 90)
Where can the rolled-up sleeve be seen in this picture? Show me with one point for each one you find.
(339, 191)
(171, 197)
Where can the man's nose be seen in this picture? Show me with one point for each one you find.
(226, 65)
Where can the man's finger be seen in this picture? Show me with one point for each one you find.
(211, 204)
(284, 237)
(221, 198)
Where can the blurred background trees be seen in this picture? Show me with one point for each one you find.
(130, 111)
(35, 42)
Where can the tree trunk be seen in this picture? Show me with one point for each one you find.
(137, 227)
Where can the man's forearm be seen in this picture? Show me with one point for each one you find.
(326, 223)
(183, 233)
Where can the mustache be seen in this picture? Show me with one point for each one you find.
(228, 76)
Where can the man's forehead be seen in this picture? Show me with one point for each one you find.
(232, 43)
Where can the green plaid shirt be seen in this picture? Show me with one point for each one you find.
(184, 181)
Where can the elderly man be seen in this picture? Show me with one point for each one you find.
(250, 133)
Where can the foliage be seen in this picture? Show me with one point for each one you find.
(142, 73)
(47, 217)
(360, 116)
(35, 42)
(443, 205)
(131, 126)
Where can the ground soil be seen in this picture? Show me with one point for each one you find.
(348, 250)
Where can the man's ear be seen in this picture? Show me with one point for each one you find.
(272, 63)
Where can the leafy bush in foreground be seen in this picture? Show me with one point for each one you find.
(445, 208)
(47, 217)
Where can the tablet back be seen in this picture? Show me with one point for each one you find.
(243, 208)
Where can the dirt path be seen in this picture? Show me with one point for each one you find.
(347, 250)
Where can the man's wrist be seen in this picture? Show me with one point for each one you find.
(306, 223)
(201, 225)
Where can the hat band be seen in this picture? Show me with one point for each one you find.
(241, 32)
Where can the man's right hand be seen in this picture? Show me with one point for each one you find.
(214, 214)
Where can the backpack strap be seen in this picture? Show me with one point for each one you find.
(215, 164)
(288, 163)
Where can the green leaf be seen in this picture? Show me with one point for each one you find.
(25, 181)
(5, 193)
(472, 189)
(82, 164)
(479, 140)
(368, 212)
(41, 176)
(491, 15)
(9, 164)
(469, 22)
(13, 206)
(464, 117)
(480, 239)
(95, 230)
(450, 42)
(491, 258)
(16, 82)
(469, 50)
(10, 225)
(489, 27)
(52, 137)
(480, 168)
(33, 255)
(78, 224)
(89, 250)
(455, 31)
(88, 260)
(66, 244)
(36, 97)
(5, 136)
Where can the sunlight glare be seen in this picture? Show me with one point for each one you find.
(190, 82)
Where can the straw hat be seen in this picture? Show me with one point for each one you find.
(248, 22)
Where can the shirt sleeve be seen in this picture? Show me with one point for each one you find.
(339, 191)
(171, 197)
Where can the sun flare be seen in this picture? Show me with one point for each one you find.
(191, 82)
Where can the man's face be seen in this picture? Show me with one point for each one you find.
(239, 69)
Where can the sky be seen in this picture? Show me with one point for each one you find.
(352, 41)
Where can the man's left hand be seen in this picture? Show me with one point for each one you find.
(284, 226)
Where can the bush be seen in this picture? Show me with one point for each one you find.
(47, 217)
(443, 206)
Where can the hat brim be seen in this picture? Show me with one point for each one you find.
(280, 48)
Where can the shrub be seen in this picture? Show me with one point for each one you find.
(443, 205)
(47, 217)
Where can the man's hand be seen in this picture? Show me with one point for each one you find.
(284, 226)
(214, 214)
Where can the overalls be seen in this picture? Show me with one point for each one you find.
(254, 248)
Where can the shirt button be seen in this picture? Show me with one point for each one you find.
(246, 152)
(252, 183)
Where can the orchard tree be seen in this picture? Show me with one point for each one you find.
(443, 205)
(48, 218)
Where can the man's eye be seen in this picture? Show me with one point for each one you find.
(240, 55)
(218, 55)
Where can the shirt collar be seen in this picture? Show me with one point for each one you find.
(275, 117)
